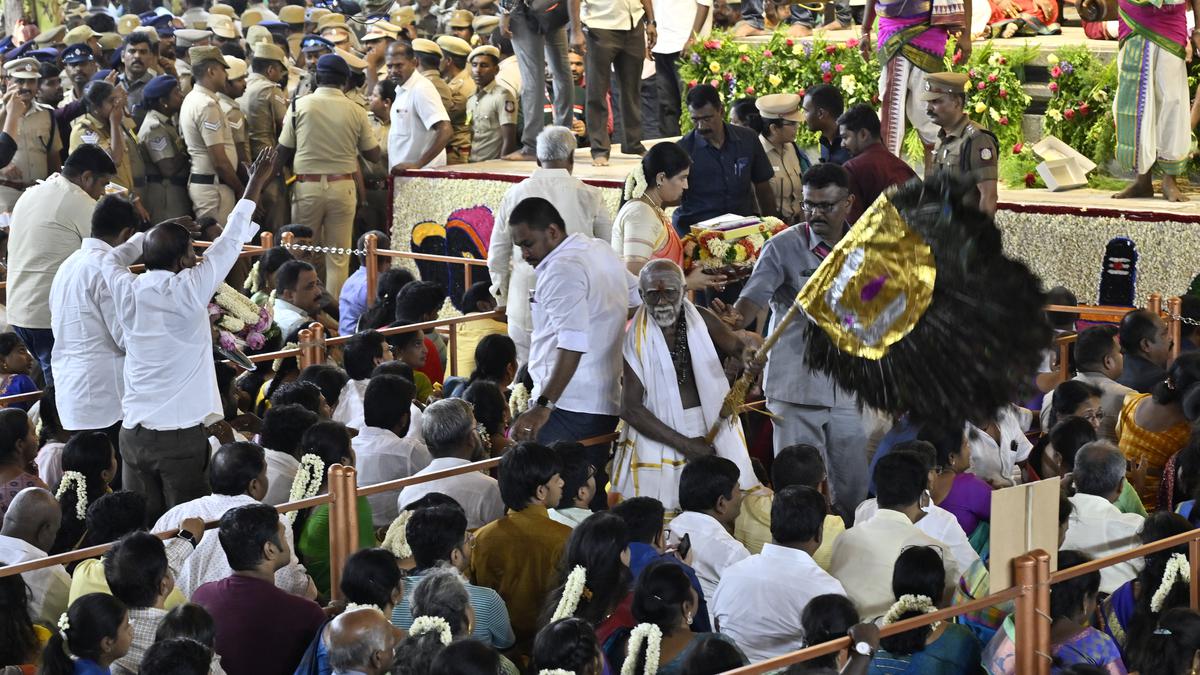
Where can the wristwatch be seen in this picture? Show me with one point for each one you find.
(543, 402)
(864, 649)
(186, 536)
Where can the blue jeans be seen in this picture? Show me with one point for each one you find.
(752, 13)
(39, 342)
(572, 427)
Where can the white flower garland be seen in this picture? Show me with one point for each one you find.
(1177, 569)
(396, 539)
(652, 635)
(278, 363)
(354, 606)
(425, 624)
(449, 311)
(81, 502)
(63, 624)
(518, 400)
(555, 671)
(236, 304)
(572, 592)
(307, 482)
(909, 603)
(635, 183)
(251, 282)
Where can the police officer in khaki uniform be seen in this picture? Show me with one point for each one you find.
(293, 16)
(458, 78)
(107, 126)
(460, 26)
(264, 106)
(235, 86)
(213, 184)
(79, 65)
(38, 143)
(323, 134)
(963, 147)
(167, 162)
(313, 48)
(429, 60)
(185, 39)
(492, 111)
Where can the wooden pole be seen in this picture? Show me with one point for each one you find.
(343, 523)
(1154, 304)
(1175, 325)
(318, 344)
(1024, 577)
(1194, 563)
(1041, 597)
(267, 239)
(372, 263)
(306, 357)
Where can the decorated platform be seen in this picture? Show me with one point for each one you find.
(1062, 235)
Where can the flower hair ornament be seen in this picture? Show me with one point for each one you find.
(64, 625)
(635, 183)
(396, 539)
(555, 671)
(1177, 569)
(428, 624)
(909, 603)
(81, 501)
(652, 636)
(574, 589)
(307, 482)
(278, 363)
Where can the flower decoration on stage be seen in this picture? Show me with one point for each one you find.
(573, 590)
(241, 324)
(996, 97)
(428, 624)
(307, 482)
(80, 482)
(1078, 111)
(1177, 570)
(396, 539)
(645, 635)
(732, 244)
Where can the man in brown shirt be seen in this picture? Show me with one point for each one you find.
(872, 168)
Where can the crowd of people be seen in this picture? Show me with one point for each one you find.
(696, 543)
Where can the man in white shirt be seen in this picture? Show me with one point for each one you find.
(1098, 362)
(617, 40)
(30, 525)
(583, 211)
(170, 383)
(89, 347)
(298, 294)
(1097, 528)
(362, 352)
(579, 485)
(451, 435)
(238, 475)
(382, 453)
(864, 555)
(711, 501)
(760, 599)
(49, 223)
(420, 127)
(282, 428)
(584, 297)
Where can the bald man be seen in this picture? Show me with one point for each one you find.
(30, 526)
(362, 641)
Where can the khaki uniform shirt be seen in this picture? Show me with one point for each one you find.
(785, 184)
(443, 90)
(294, 41)
(952, 141)
(330, 133)
(131, 171)
(489, 109)
(203, 124)
(237, 125)
(135, 90)
(264, 106)
(38, 144)
(183, 73)
(68, 95)
(462, 88)
(160, 139)
(377, 170)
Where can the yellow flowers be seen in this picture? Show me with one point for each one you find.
(775, 80)
(714, 67)
(743, 48)
(849, 85)
(798, 49)
(1054, 114)
(995, 114)
(1052, 59)
(981, 107)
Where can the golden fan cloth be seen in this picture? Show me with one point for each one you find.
(874, 286)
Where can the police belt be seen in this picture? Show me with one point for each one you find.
(204, 179)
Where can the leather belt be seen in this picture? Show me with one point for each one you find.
(203, 179)
(318, 177)
(14, 185)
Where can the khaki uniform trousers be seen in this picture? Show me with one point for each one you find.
(328, 208)
(217, 201)
(165, 200)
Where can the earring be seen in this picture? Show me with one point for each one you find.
(687, 618)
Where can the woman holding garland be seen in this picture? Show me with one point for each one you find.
(92, 634)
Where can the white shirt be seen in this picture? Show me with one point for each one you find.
(49, 223)
(937, 523)
(288, 317)
(675, 20)
(571, 517)
(713, 548)
(417, 108)
(208, 562)
(864, 555)
(281, 471)
(612, 14)
(381, 455)
(760, 599)
(582, 304)
(994, 462)
(476, 492)
(49, 587)
(170, 381)
(349, 410)
(1098, 529)
(581, 207)
(89, 346)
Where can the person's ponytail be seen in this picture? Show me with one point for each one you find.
(81, 630)
(55, 659)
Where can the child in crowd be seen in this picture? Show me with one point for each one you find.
(16, 365)
(420, 302)
(193, 622)
(491, 412)
(93, 633)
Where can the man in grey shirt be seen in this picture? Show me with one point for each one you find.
(808, 406)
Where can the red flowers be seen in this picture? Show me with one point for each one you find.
(801, 92)
(1069, 113)
(839, 67)
(788, 42)
(768, 53)
(1018, 148)
(1056, 72)
(712, 44)
(991, 77)
(745, 59)
(827, 78)
(750, 91)
(691, 83)
(852, 43)
(1084, 109)
(1054, 87)
(958, 57)
(981, 86)
(1003, 93)
(1004, 121)
(1030, 180)
(830, 49)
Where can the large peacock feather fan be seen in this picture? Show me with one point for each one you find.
(919, 311)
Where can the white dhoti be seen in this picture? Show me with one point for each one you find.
(900, 86)
(1151, 108)
(646, 468)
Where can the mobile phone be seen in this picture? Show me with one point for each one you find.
(685, 546)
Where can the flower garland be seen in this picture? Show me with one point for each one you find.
(635, 183)
(307, 482)
(426, 624)
(81, 500)
(555, 671)
(652, 635)
(278, 363)
(396, 539)
(909, 603)
(573, 590)
(1177, 569)
(354, 606)
(64, 624)
(448, 310)
(518, 399)
(240, 322)
(251, 282)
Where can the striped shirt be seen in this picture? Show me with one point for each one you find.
(492, 626)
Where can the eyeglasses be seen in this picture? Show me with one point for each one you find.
(825, 207)
(1096, 415)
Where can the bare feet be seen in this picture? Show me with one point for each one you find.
(600, 160)
(1171, 191)
(519, 156)
(799, 30)
(835, 25)
(1141, 188)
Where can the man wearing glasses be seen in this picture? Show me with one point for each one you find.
(808, 407)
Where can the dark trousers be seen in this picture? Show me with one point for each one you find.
(39, 342)
(565, 425)
(623, 50)
(670, 102)
(168, 468)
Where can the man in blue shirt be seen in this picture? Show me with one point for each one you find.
(729, 166)
(353, 300)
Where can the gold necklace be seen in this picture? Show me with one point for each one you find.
(662, 215)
